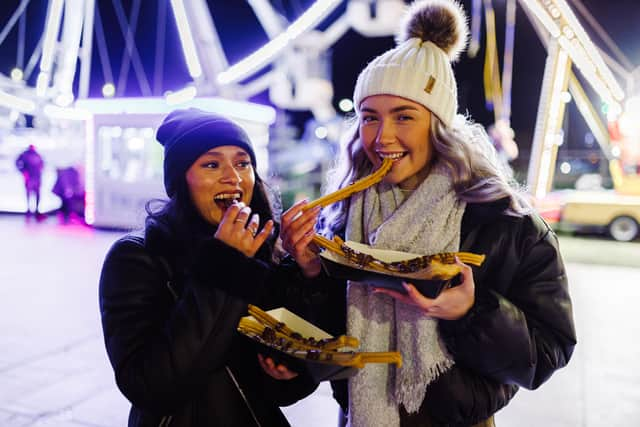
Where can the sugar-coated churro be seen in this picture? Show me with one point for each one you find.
(357, 186)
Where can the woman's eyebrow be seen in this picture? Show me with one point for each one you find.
(393, 110)
(218, 154)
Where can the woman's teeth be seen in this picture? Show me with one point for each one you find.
(225, 200)
(392, 156)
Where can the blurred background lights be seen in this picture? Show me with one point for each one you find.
(565, 97)
(181, 96)
(630, 119)
(17, 75)
(108, 90)
(135, 144)
(589, 139)
(64, 99)
(614, 111)
(147, 133)
(345, 105)
(321, 132)
(615, 151)
(565, 167)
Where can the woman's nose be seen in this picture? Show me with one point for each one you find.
(386, 134)
(230, 175)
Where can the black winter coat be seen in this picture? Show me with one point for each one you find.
(519, 331)
(178, 359)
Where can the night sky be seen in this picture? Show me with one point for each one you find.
(241, 34)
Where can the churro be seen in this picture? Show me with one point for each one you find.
(357, 186)
(266, 329)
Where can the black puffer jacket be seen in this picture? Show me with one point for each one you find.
(179, 360)
(518, 333)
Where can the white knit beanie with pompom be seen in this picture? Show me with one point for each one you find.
(432, 35)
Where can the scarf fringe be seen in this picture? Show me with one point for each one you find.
(411, 394)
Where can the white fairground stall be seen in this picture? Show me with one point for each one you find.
(123, 168)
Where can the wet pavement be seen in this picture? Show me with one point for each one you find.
(54, 371)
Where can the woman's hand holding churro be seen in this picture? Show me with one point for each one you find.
(297, 232)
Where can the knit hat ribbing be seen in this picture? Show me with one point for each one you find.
(187, 134)
(419, 68)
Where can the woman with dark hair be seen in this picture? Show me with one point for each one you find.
(509, 324)
(171, 298)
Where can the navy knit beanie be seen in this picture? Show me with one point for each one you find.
(187, 134)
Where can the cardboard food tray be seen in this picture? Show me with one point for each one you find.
(318, 370)
(342, 268)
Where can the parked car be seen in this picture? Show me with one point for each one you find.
(603, 211)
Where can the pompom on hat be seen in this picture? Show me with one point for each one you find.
(432, 35)
(187, 134)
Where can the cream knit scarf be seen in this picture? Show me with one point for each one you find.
(427, 222)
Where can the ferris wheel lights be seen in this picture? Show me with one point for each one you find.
(64, 113)
(42, 84)
(542, 15)
(345, 105)
(186, 39)
(181, 96)
(64, 99)
(258, 59)
(568, 32)
(14, 116)
(13, 102)
(52, 27)
(321, 132)
(17, 75)
(387, 15)
(108, 90)
(565, 97)
(559, 20)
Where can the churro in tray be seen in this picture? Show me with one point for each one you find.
(304, 348)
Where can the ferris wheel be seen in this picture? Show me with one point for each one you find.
(111, 137)
(289, 65)
(293, 64)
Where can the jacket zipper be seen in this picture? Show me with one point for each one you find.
(165, 421)
(233, 378)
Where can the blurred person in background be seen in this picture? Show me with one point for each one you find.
(30, 165)
(68, 187)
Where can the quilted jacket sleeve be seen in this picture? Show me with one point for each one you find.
(521, 328)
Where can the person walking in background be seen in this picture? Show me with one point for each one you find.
(509, 324)
(172, 296)
(68, 187)
(30, 164)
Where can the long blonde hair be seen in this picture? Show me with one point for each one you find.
(465, 149)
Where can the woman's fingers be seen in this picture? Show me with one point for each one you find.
(412, 297)
(296, 226)
(302, 234)
(262, 236)
(418, 298)
(279, 372)
(240, 221)
(393, 294)
(293, 211)
(467, 275)
(230, 215)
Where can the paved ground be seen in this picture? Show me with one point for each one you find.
(54, 372)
